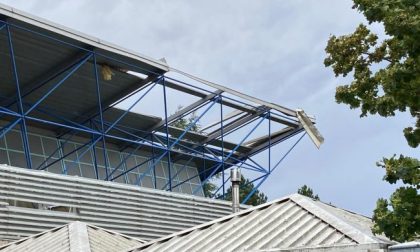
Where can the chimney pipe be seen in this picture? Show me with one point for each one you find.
(235, 178)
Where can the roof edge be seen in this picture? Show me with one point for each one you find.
(341, 225)
(71, 33)
(78, 237)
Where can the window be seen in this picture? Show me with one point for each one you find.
(47, 151)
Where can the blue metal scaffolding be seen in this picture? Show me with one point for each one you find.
(211, 152)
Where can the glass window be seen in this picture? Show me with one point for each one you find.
(102, 173)
(72, 168)
(35, 144)
(120, 179)
(55, 168)
(191, 173)
(200, 193)
(68, 148)
(183, 174)
(14, 140)
(161, 184)
(130, 162)
(50, 147)
(88, 171)
(2, 143)
(17, 159)
(147, 182)
(84, 154)
(3, 157)
(176, 189)
(114, 158)
(100, 156)
(160, 170)
(186, 188)
(132, 178)
(37, 161)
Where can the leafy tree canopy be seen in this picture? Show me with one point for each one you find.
(386, 80)
(395, 86)
(307, 191)
(245, 187)
(398, 218)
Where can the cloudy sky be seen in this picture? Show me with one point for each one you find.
(273, 50)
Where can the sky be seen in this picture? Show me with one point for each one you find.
(273, 50)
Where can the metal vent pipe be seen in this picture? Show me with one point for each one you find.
(235, 178)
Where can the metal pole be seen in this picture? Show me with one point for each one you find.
(23, 128)
(235, 178)
(98, 92)
(223, 147)
(269, 142)
(167, 134)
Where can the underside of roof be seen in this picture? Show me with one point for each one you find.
(46, 52)
(74, 237)
(289, 223)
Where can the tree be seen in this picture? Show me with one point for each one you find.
(307, 191)
(386, 80)
(245, 187)
(183, 123)
(208, 188)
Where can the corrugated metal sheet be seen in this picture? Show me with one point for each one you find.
(139, 212)
(74, 237)
(100, 240)
(50, 241)
(292, 222)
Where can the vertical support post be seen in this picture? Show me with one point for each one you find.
(101, 118)
(153, 160)
(23, 127)
(95, 162)
(167, 134)
(269, 142)
(223, 148)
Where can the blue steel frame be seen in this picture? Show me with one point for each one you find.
(161, 144)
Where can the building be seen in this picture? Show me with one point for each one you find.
(70, 104)
(293, 223)
(74, 237)
(34, 201)
(88, 133)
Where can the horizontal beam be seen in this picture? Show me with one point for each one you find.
(274, 140)
(185, 110)
(284, 110)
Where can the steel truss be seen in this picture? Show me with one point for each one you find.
(160, 140)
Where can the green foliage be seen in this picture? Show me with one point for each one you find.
(386, 80)
(245, 188)
(307, 191)
(183, 122)
(404, 168)
(398, 219)
(209, 189)
(395, 84)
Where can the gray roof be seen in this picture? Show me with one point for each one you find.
(74, 237)
(288, 223)
(139, 212)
